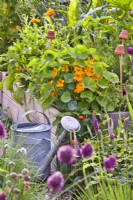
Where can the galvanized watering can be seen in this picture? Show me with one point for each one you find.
(36, 138)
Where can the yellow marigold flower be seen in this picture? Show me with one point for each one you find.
(49, 12)
(79, 88)
(50, 82)
(33, 10)
(65, 68)
(60, 83)
(36, 20)
(54, 73)
(78, 77)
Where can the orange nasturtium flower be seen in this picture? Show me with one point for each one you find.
(91, 61)
(36, 20)
(81, 117)
(73, 142)
(60, 83)
(79, 87)
(50, 82)
(54, 73)
(33, 10)
(49, 12)
(52, 93)
(77, 77)
(89, 71)
(65, 68)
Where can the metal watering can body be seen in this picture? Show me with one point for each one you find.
(36, 139)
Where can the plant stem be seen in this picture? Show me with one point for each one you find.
(121, 73)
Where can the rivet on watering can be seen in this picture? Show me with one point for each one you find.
(51, 35)
(119, 50)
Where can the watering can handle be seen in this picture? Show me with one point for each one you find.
(26, 113)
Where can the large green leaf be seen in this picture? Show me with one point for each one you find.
(102, 83)
(66, 97)
(19, 95)
(48, 102)
(83, 106)
(90, 84)
(112, 77)
(45, 91)
(87, 94)
(79, 52)
(9, 82)
(68, 77)
(102, 101)
(72, 105)
(73, 12)
(32, 62)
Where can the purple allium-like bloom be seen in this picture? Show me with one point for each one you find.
(130, 50)
(2, 131)
(110, 163)
(112, 136)
(2, 196)
(65, 154)
(55, 182)
(87, 150)
(95, 123)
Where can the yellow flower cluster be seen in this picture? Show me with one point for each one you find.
(49, 12)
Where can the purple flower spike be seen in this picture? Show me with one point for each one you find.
(2, 196)
(130, 50)
(112, 136)
(87, 150)
(55, 182)
(95, 124)
(110, 163)
(2, 131)
(65, 154)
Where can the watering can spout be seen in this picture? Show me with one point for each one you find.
(69, 124)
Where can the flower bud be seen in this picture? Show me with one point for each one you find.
(13, 175)
(6, 146)
(16, 191)
(20, 176)
(9, 183)
(25, 172)
(27, 178)
(11, 163)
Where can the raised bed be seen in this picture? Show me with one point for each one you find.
(15, 111)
